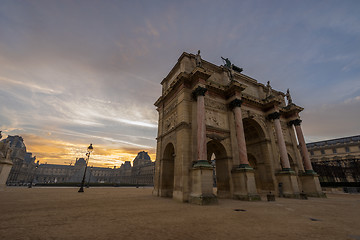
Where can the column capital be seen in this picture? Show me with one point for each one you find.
(235, 103)
(274, 115)
(295, 122)
(199, 91)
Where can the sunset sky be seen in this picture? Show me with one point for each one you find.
(79, 72)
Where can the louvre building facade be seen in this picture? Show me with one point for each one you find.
(25, 169)
(336, 160)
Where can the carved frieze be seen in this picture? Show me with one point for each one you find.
(210, 103)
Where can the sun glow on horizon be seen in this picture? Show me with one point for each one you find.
(64, 153)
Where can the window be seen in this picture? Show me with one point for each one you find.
(347, 149)
(334, 150)
(322, 151)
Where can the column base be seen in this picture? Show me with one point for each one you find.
(202, 164)
(244, 184)
(203, 199)
(288, 185)
(155, 192)
(202, 184)
(311, 185)
(166, 193)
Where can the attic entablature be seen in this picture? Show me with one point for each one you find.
(271, 102)
(191, 70)
(291, 111)
(235, 88)
(250, 100)
(199, 73)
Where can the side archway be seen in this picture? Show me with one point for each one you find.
(167, 164)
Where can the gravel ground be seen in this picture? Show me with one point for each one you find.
(131, 213)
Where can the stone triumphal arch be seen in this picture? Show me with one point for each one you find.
(215, 117)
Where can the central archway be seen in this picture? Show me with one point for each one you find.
(216, 152)
(257, 149)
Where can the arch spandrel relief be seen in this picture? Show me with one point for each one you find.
(170, 122)
(216, 119)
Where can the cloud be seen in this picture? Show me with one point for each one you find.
(332, 121)
(32, 86)
(152, 31)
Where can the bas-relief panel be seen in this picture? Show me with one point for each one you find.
(216, 119)
(216, 114)
(170, 122)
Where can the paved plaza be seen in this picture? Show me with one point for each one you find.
(131, 213)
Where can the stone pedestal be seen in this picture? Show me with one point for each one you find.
(202, 184)
(311, 185)
(244, 184)
(290, 187)
(5, 167)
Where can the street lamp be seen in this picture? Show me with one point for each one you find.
(89, 150)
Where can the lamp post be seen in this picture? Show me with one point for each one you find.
(89, 150)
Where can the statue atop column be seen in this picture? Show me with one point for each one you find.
(230, 68)
(227, 63)
(268, 89)
(198, 59)
(227, 66)
(288, 97)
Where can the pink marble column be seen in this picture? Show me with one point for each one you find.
(199, 93)
(281, 142)
(240, 135)
(304, 151)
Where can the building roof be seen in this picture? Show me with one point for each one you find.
(336, 141)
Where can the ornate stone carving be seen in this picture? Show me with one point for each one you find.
(215, 104)
(216, 137)
(214, 119)
(274, 115)
(268, 90)
(288, 97)
(295, 122)
(170, 122)
(199, 91)
(198, 59)
(235, 103)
